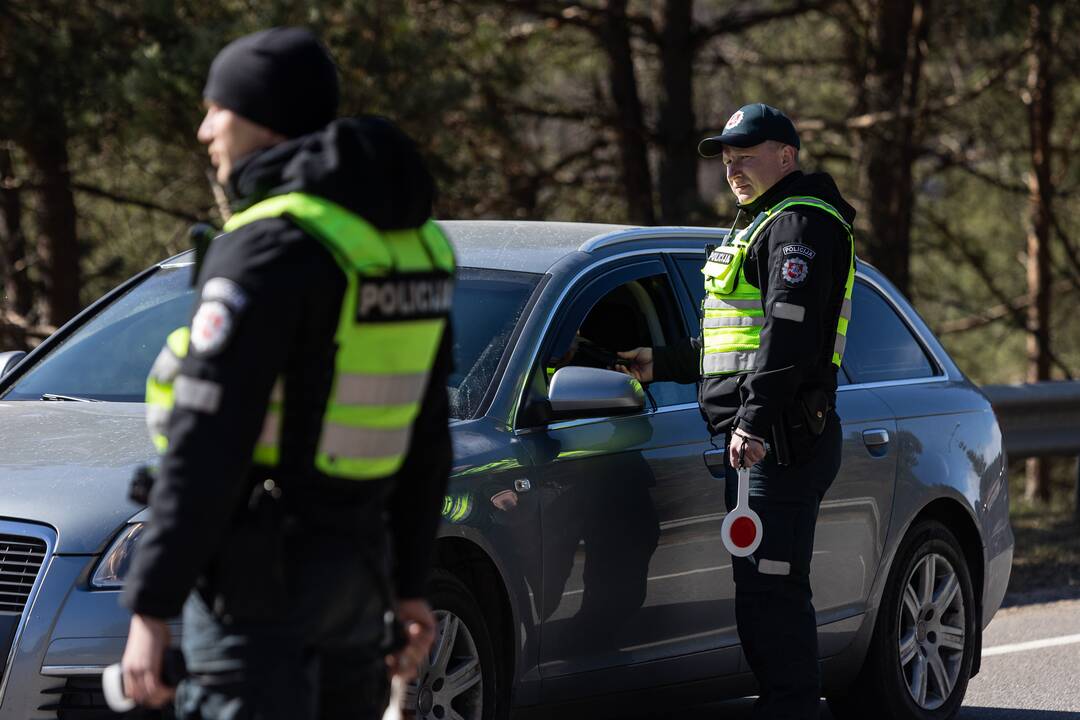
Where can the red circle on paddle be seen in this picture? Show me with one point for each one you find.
(743, 532)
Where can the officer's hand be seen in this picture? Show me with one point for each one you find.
(753, 453)
(148, 638)
(419, 622)
(640, 363)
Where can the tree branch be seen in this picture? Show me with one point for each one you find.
(137, 202)
(739, 20)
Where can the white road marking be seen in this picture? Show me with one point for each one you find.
(1030, 645)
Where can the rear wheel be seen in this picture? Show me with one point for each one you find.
(924, 642)
(457, 682)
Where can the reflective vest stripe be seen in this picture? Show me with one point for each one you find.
(728, 362)
(719, 322)
(715, 303)
(340, 440)
(271, 429)
(159, 386)
(391, 323)
(359, 389)
(723, 325)
(166, 365)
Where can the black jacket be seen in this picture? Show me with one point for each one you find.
(286, 293)
(801, 259)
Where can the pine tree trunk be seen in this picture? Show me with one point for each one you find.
(46, 148)
(630, 119)
(1040, 101)
(891, 93)
(17, 289)
(679, 196)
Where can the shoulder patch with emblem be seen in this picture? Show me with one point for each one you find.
(226, 291)
(794, 270)
(211, 327)
(798, 250)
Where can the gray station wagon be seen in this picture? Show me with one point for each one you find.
(580, 563)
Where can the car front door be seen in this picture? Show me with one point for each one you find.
(634, 570)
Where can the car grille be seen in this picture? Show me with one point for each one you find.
(20, 561)
(80, 698)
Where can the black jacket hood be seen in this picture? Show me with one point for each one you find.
(819, 185)
(365, 164)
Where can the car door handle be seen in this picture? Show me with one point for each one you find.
(876, 439)
(714, 461)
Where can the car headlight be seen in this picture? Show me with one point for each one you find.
(115, 563)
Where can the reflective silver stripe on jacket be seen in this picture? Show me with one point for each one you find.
(199, 395)
(840, 344)
(271, 429)
(788, 311)
(715, 303)
(157, 419)
(277, 394)
(347, 441)
(364, 389)
(845, 309)
(727, 362)
(166, 366)
(741, 321)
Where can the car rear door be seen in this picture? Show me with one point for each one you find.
(854, 517)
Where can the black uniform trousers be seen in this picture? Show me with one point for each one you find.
(773, 610)
(314, 651)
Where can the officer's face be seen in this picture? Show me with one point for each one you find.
(229, 137)
(753, 170)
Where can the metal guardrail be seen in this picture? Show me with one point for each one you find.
(1038, 419)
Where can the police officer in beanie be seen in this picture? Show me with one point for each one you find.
(775, 315)
(302, 415)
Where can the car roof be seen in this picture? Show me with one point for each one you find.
(527, 246)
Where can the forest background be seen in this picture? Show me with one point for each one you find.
(951, 126)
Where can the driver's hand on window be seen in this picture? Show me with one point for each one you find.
(639, 364)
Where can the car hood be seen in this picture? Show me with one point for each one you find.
(67, 465)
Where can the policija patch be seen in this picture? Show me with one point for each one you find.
(721, 257)
(415, 296)
(794, 270)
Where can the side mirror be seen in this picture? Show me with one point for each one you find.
(9, 360)
(592, 392)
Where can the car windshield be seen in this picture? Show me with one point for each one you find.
(109, 357)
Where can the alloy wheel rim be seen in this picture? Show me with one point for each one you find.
(450, 685)
(931, 631)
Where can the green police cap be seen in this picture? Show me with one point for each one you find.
(751, 125)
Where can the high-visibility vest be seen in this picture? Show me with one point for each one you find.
(393, 315)
(732, 311)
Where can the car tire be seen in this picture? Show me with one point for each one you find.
(460, 672)
(925, 637)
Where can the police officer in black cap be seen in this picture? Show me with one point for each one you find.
(775, 316)
(302, 415)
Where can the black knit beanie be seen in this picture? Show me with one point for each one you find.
(282, 78)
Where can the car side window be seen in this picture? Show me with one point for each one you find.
(880, 345)
(621, 311)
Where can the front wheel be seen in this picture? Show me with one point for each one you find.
(925, 638)
(457, 682)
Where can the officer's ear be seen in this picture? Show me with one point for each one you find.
(789, 157)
